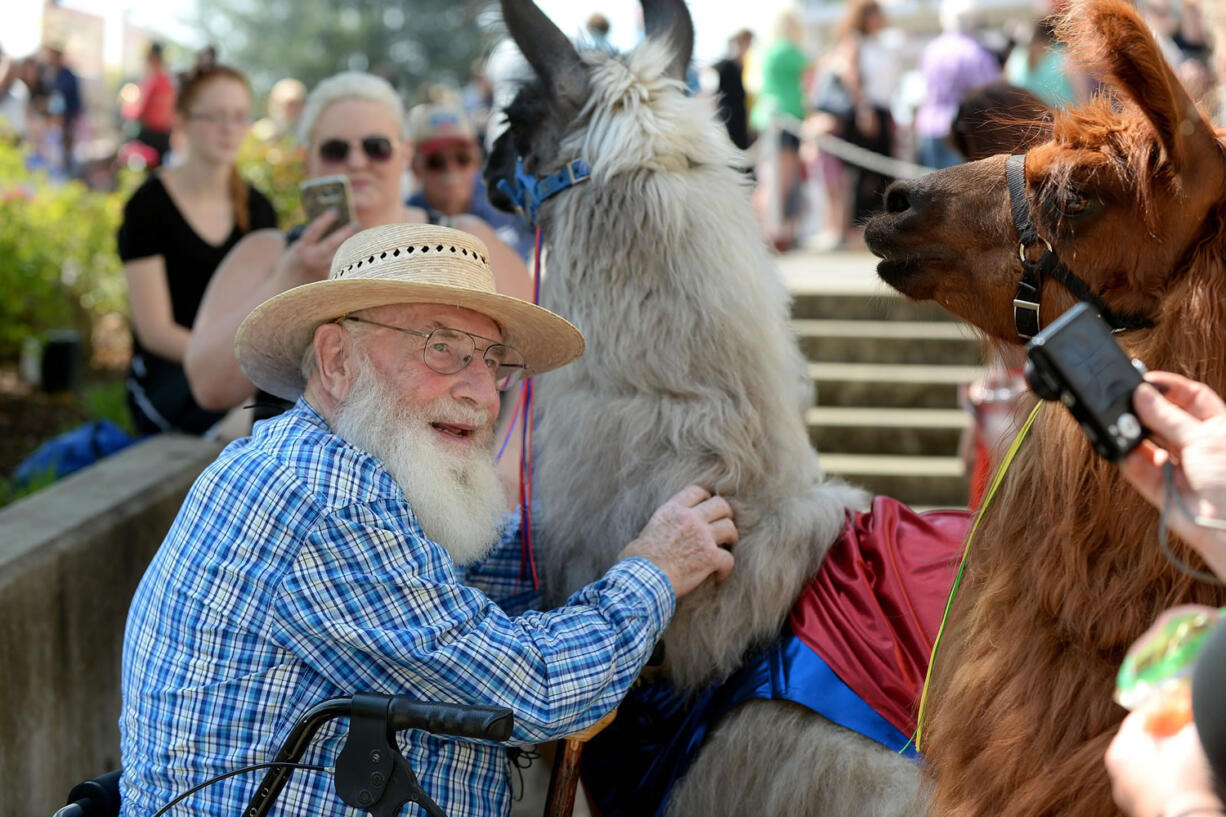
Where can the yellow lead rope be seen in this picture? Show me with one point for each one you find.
(949, 603)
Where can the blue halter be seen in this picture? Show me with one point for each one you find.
(527, 192)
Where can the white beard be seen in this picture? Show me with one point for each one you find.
(457, 498)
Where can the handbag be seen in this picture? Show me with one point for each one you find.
(834, 98)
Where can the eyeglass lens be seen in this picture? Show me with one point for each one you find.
(448, 351)
(376, 148)
(239, 118)
(439, 161)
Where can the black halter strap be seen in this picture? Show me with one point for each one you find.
(1030, 287)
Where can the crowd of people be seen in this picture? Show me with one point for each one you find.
(358, 538)
(872, 87)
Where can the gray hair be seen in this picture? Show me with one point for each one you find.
(348, 85)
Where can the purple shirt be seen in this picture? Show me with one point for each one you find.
(952, 64)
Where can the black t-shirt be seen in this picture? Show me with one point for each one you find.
(732, 101)
(152, 225)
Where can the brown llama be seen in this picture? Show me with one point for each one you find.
(1065, 571)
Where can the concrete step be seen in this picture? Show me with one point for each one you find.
(860, 430)
(865, 341)
(925, 481)
(886, 305)
(892, 385)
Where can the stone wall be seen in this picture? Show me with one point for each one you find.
(70, 559)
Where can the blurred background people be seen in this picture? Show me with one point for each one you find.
(477, 100)
(869, 72)
(64, 103)
(177, 227)
(731, 91)
(1042, 66)
(597, 32)
(778, 114)
(446, 164)
(284, 108)
(951, 65)
(155, 109)
(14, 99)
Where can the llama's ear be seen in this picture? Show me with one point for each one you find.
(548, 51)
(670, 20)
(1111, 38)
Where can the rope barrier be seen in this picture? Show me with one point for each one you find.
(848, 152)
(867, 159)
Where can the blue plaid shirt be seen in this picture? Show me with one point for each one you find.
(295, 572)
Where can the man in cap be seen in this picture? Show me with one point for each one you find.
(446, 163)
(327, 553)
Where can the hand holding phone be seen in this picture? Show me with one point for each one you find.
(328, 192)
(1077, 361)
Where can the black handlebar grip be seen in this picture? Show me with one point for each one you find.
(98, 797)
(459, 720)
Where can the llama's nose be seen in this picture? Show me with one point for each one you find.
(898, 197)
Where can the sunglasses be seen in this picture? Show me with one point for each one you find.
(376, 148)
(439, 161)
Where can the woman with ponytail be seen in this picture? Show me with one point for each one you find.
(177, 227)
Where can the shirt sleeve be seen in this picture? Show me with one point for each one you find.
(140, 234)
(505, 574)
(375, 606)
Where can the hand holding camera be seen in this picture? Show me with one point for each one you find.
(1187, 425)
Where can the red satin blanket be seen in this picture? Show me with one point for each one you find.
(873, 610)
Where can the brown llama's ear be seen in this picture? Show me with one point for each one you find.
(1113, 41)
(548, 51)
(670, 19)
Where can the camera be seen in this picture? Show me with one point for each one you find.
(1077, 361)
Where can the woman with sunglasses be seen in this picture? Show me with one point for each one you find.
(177, 227)
(352, 123)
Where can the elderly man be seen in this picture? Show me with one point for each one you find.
(336, 549)
(447, 163)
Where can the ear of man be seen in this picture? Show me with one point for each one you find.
(335, 361)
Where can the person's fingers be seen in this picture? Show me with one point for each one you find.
(1194, 397)
(691, 496)
(724, 562)
(1143, 470)
(317, 226)
(725, 533)
(714, 508)
(1163, 417)
(329, 243)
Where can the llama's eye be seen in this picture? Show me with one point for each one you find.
(1072, 203)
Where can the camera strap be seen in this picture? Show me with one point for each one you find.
(1030, 287)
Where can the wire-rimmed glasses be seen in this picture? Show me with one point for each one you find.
(447, 351)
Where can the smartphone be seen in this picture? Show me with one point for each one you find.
(1077, 361)
(328, 192)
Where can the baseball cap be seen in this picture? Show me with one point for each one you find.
(436, 125)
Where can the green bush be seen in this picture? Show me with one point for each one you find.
(58, 263)
(276, 168)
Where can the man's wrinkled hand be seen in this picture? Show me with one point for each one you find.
(689, 538)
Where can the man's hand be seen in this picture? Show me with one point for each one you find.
(686, 538)
(1153, 776)
(309, 259)
(1188, 424)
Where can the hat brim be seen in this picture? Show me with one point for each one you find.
(437, 143)
(272, 339)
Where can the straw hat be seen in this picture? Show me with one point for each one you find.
(394, 264)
